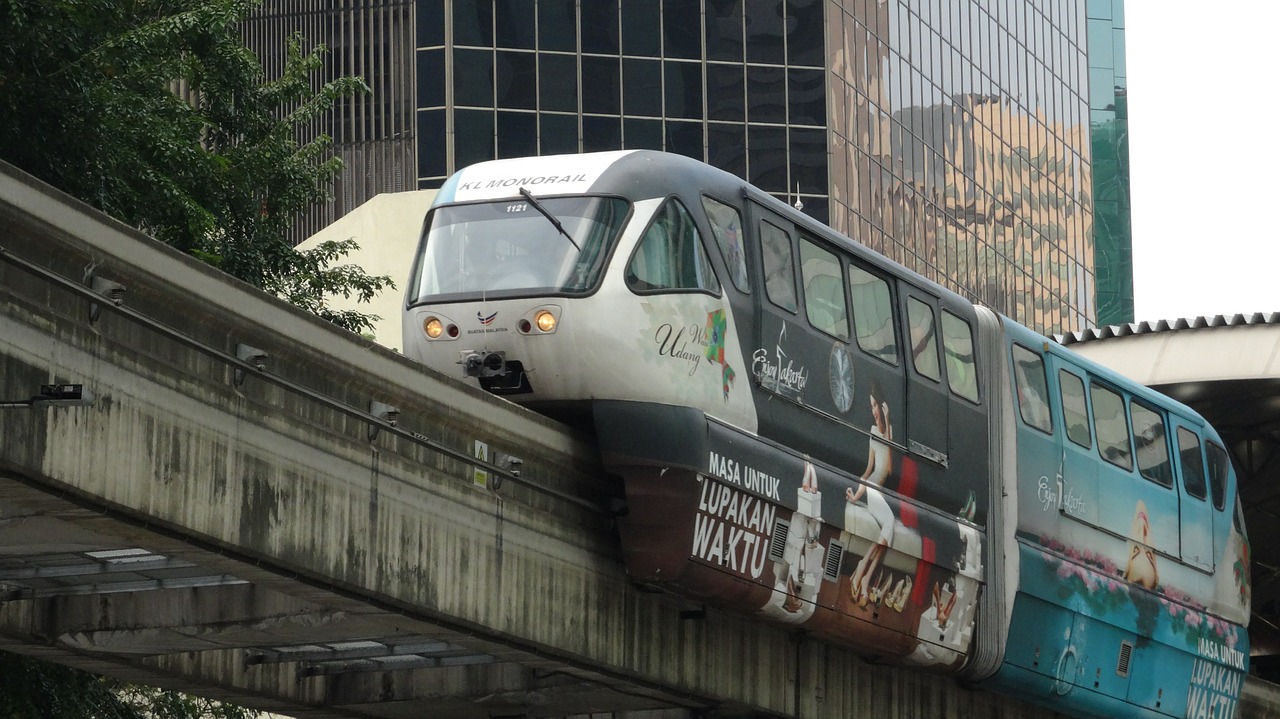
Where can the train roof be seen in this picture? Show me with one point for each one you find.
(1105, 373)
(646, 173)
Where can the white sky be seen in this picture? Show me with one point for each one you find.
(1204, 156)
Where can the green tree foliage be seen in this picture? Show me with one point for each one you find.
(155, 112)
(31, 689)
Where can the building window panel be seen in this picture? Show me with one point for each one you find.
(765, 31)
(681, 31)
(430, 22)
(557, 134)
(641, 28)
(726, 93)
(517, 134)
(473, 133)
(557, 25)
(558, 82)
(513, 26)
(683, 90)
(808, 100)
(601, 74)
(473, 23)
(767, 158)
(724, 31)
(685, 138)
(804, 37)
(727, 147)
(601, 133)
(431, 78)
(808, 160)
(431, 148)
(516, 80)
(641, 134)
(473, 78)
(766, 94)
(642, 87)
(600, 27)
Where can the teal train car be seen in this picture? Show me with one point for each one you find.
(808, 433)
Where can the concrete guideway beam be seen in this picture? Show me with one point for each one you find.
(284, 491)
(260, 466)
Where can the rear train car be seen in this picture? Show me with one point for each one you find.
(811, 434)
(1133, 565)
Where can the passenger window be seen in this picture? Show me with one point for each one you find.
(823, 290)
(1219, 466)
(957, 345)
(726, 226)
(1192, 463)
(924, 341)
(873, 315)
(1112, 426)
(1150, 444)
(1075, 411)
(1032, 388)
(670, 255)
(779, 272)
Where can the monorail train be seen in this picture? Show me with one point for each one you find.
(812, 434)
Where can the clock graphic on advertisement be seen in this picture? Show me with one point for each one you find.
(840, 372)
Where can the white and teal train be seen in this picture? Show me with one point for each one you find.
(810, 433)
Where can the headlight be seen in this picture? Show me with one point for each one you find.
(433, 327)
(545, 321)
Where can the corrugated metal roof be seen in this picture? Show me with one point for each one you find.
(1191, 323)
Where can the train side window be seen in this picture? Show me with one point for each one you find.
(1075, 410)
(957, 346)
(873, 315)
(726, 227)
(923, 339)
(1112, 426)
(779, 269)
(1032, 388)
(1150, 444)
(1219, 466)
(1192, 462)
(670, 256)
(823, 290)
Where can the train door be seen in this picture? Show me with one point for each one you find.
(785, 353)
(877, 360)
(967, 440)
(1072, 490)
(927, 402)
(1195, 513)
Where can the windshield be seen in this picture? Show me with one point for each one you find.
(509, 247)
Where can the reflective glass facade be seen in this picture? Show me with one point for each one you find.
(1109, 122)
(951, 135)
(962, 126)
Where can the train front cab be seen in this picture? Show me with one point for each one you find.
(1131, 556)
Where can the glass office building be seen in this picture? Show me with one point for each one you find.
(1109, 130)
(951, 135)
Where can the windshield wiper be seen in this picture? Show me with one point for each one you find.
(545, 213)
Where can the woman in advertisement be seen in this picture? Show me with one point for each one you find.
(879, 464)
